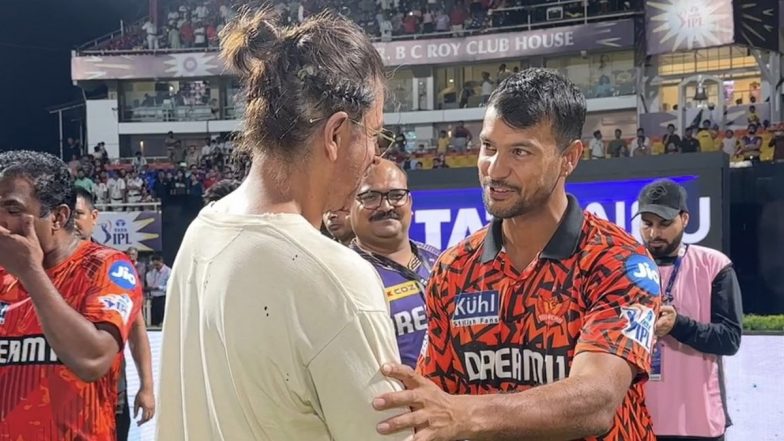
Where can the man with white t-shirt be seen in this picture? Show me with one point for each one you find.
(272, 331)
(134, 186)
(117, 187)
(152, 35)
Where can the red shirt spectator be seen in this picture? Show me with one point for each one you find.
(186, 34)
(458, 15)
(410, 24)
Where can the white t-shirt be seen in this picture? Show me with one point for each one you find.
(200, 35)
(102, 193)
(730, 145)
(272, 332)
(206, 150)
(116, 188)
(597, 148)
(134, 187)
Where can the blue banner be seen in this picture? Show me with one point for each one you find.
(443, 218)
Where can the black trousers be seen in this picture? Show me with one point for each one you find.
(687, 438)
(123, 421)
(158, 306)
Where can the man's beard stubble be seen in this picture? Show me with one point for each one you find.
(667, 250)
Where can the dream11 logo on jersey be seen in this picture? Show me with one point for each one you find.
(442, 218)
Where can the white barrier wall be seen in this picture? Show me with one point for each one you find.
(754, 389)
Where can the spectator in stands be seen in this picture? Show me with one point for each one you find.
(442, 144)
(139, 161)
(596, 146)
(461, 137)
(73, 150)
(752, 117)
(173, 35)
(100, 153)
(171, 143)
(117, 188)
(618, 147)
(157, 279)
(152, 34)
(487, 87)
(178, 186)
(427, 21)
(141, 268)
(641, 145)
(196, 188)
(207, 149)
(457, 17)
(134, 185)
(730, 144)
(200, 35)
(84, 182)
(503, 73)
(442, 21)
(101, 189)
(689, 144)
(642, 139)
(751, 144)
(778, 144)
(671, 140)
(440, 161)
(187, 34)
(705, 137)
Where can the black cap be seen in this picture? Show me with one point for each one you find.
(664, 198)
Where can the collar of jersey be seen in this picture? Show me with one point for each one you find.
(561, 246)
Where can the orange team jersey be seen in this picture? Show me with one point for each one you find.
(492, 329)
(41, 399)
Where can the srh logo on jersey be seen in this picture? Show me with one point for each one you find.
(31, 349)
(3, 311)
(476, 308)
(643, 272)
(120, 303)
(550, 310)
(123, 275)
(521, 365)
(401, 290)
(639, 324)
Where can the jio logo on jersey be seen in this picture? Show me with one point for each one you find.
(123, 275)
(643, 272)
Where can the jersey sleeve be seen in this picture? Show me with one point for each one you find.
(114, 297)
(347, 377)
(622, 303)
(436, 359)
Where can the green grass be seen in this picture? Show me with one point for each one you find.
(753, 322)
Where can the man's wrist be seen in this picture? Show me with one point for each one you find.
(471, 417)
(32, 274)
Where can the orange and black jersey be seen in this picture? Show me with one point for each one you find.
(492, 329)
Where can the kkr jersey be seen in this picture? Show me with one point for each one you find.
(40, 398)
(404, 289)
(493, 329)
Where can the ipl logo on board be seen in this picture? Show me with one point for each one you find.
(116, 234)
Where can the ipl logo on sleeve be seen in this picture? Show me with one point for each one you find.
(3, 311)
(120, 303)
(643, 272)
(123, 275)
(639, 324)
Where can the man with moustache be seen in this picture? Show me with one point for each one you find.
(338, 225)
(381, 216)
(699, 322)
(540, 325)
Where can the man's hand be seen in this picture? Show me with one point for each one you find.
(666, 320)
(145, 400)
(21, 253)
(435, 415)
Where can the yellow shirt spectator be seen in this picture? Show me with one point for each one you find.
(707, 143)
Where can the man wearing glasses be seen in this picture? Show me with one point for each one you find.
(381, 216)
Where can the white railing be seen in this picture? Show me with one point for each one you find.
(133, 206)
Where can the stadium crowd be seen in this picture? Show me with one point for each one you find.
(186, 24)
(190, 171)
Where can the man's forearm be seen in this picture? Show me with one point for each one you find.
(82, 347)
(140, 351)
(569, 409)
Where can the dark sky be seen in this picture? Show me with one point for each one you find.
(36, 39)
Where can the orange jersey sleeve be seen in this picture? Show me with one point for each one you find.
(436, 359)
(622, 300)
(115, 295)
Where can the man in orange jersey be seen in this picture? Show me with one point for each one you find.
(66, 307)
(548, 313)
